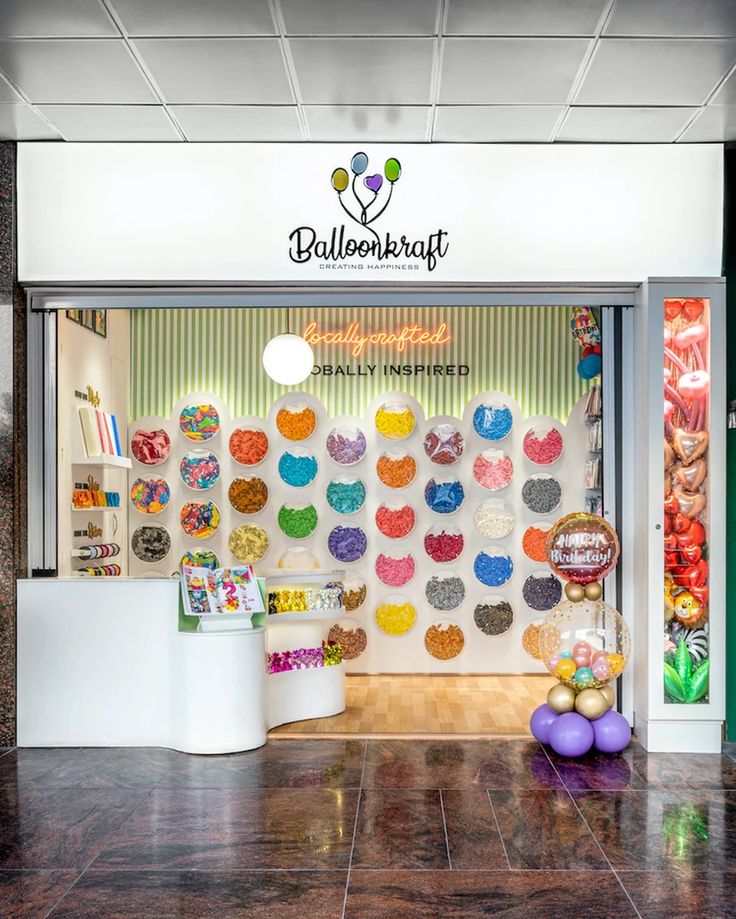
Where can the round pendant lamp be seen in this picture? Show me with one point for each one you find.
(288, 359)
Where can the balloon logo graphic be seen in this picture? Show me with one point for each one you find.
(359, 163)
(354, 204)
(339, 180)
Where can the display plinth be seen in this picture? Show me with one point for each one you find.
(298, 695)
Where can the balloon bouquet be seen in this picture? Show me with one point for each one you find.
(583, 641)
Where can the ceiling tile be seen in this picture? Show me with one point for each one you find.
(272, 123)
(74, 71)
(18, 121)
(236, 70)
(685, 18)
(624, 125)
(376, 71)
(111, 122)
(715, 124)
(49, 18)
(529, 17)
(496, 123)
(651, 72)
(379, 17)
(510, 70)
(397, 123)
(195, 17)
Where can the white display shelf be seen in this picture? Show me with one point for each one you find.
(312, 616)
(86, 510)
(106, 461)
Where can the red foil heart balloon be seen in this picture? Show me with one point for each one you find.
(688, 445)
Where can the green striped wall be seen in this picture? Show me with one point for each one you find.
(527, 352)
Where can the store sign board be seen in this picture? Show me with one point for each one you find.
(197, 213)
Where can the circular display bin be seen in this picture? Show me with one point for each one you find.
(150, 496)
(248, 494)
(395, 569)
(395, 420)
(199, 469)
(249, 543)
(494, 518)
(541, 493)
(296, 422)
(543, 443)
(150, 543)
(248, 446)
(493, 421)
(493, 566)
(493, 469)
(150, 448)
(351, 636)
(346, 495)
(444, 640)
(396, 469)
(493, 615)
(297, 521)
(444, 444)
(444, 542)
(445, 591)
(395, 615)
(395, 521)
(346, 444)
(199, 421)
(297, 467)
(200, 520)
(444, 494)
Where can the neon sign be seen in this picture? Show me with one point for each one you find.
(358, 339)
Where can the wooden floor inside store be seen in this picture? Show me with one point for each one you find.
(420, 705)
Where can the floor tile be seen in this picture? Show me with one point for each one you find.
(599, 771)
(476, 894)
(681, 895)
(233, 828)
(458, 764)
(654, 829)
(472, 835)
(204, 894)
(60, 828)
(400, 828)
(279, 764)
(32, 893)
(544, 829)
(33, 765)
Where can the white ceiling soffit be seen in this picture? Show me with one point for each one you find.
(409, 71)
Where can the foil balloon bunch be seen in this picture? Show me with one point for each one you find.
(583, 641)
(359, 207)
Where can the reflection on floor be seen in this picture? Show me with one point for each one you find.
(367, 829)
(418, 705)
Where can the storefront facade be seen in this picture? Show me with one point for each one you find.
(200, 254)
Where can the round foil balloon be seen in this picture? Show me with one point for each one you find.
(585, 645)
(582, 548)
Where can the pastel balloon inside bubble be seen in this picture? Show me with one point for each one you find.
(359, 163)
(694, 385)
(373, 182)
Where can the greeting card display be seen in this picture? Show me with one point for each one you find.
(220, 592)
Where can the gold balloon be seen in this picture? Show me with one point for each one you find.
(561, 699)
(591, 704)
(610, 693)
(594, 590)
(574, 592)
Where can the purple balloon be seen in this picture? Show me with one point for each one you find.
(571, 735)
(541, 721)
(612, 732)
(373, 182)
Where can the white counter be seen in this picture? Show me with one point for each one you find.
(101, 662)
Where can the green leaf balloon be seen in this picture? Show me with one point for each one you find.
(673, 684)
(699, 684)
(683, 663)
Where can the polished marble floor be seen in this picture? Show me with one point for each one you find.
(353, 829)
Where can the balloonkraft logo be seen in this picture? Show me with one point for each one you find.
(364, 203)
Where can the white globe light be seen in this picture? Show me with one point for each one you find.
(288, 359)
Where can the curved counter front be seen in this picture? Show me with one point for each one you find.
(101, 662)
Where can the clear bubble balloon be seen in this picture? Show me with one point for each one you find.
(339, 179)
(585, 645)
